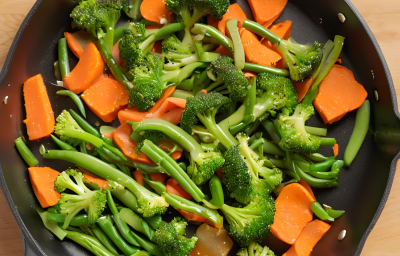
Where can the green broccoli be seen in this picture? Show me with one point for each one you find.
(93, 202)
(64, 182)
(153, 136)
(229, 76)
(171, 239)
(99, 18)
(294, 136)
(63, 121)
(251, 222)
(176, 53)
(206, 163)
(255, 250)
(132, 9)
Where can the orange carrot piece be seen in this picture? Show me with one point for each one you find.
(212, 22)
(174, 188)
(302, 88)
(234, 12)
(174, 116)
(101, 183)
(282, 29)
(39, 114)
(190, 216)
(265, 12)
(339, 61)
(220, 173)
(336, 149)
(157, 47)
(160, 177)
(156, 11)
(42, 180)
(256, 52)
(249, 75)
(74, 45)
(105, 98)
(293, 212)
(127, 145)
(89, 67)
(308, 188)
(339, 93)
(309, 237)
(222, 50)
(138, 175)
(166, 94)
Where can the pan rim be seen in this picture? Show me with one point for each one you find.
(27, 235)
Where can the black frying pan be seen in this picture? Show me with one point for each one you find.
(363, 188)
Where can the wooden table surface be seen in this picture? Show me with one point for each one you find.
(383, 17)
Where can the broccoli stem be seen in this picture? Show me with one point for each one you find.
(127, 198)
(326, 50)
(214, 85)
(239, 55)
(63, 57)
(76, 221)
(272, 131)
(132, 10)
(261, 31)
(169, 29)
(84, 124)
(273, 149)
(26, 154)
(83, 136)
(99, 168)
(160, 157)
(186, 71)
(104, 239)
(261, 69)
(328, 142)
(57, 71)
(316, 130)
(327, 66)
(118, 32)
(199, 28)
(187, 205)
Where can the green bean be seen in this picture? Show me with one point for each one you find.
(316, 130)
(216, 191)
(273, 149)
(137, 223)
(127, 198)
(154, 221)
(75, 98)
(255, 68)
(104, 239)
(169, 29)
(279, 163)
(337, 166)
(82, 147)
(157, 186)
(119, 31)
(107, 226)
(316, 157)
(84, 124)
(303, 165)
(335, 213)
(26, 154)
(328, 142)
(261, 31)
(76, 221)
(360, 130)
(89, 242)
(324, 166)
(57, 72)
(257, 143)
(152, 248)
(61, 144)
(324, 175)
(319, 211)
(199, 28)
(183, 166)
(63, 61)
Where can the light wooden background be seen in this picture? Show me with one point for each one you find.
(383, 17)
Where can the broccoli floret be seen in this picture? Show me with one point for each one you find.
(255, 250)
(171, 239)
(176, 53)
(92, 202)
(64, 121)
(279, 93)
(293, 134)
(64, 182)
(301, 60)
(233, 78)
(153, 136)
(251, 222)
(98, 18)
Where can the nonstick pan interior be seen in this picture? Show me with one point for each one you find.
(363, 188)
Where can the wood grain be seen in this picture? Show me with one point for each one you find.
(382, 16)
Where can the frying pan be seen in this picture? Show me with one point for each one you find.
(363, 188)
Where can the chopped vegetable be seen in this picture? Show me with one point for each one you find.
(336, 149)
(156, 11)
(63, 61)
(78, 102)
(74, 45)
(302, 87)
(174, 188)
(42, 180)
(234, 12)
(26, 154)
(266, 12)
(138, 176)
(282, 29)
(212, 241)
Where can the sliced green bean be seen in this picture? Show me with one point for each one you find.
(216, 191)
(169, 29)
(256, 68)
(104, 239)
(337, 166)
(157, 186)
(136, 222)
(335, 213)
(324, 166)
(324, 175)
(225, 41)
(360, 131)
(316, 131)
(76, 221)
(272, 131)
(57, 72)
(328, 142)
(26, 154)
(316, 157)
(75, 98)
(238, 54)
(319, 211)
(84, 124)
(63, 61)
(61, 144)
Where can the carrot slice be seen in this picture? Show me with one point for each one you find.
(174, 116)
(293, 212)
(308, 188)
(309, 237)
(336, 149)
(39, 114)
(234, 12)
(42, 179)
(174, 188)
(160, 177)
(190, 216)
(74, 45)
(105, 98)
(138, 175)
(127, 145)
(256, 52)
(89, 67)
(212, 22)
(101, 183)
(265, 12)
(339, 93)
(156, 11)
(222, 50)
(282, 29)
(302, 88)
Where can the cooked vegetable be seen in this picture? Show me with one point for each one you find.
(256, 250)
(174, 188)
(212, 241)
(217, 193)
(234, 12)
(294, 201)
(282, 29)
(75, 98)
(42, 180)
(73, 45)
(89, 67)
(39, 114)
(155, 11)
(360, 131)
(26, 154)
(303, 87)
(266, 12)
(63, 61)
(336, 149)
(319, 211)
(138, 176)
(104, 239)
